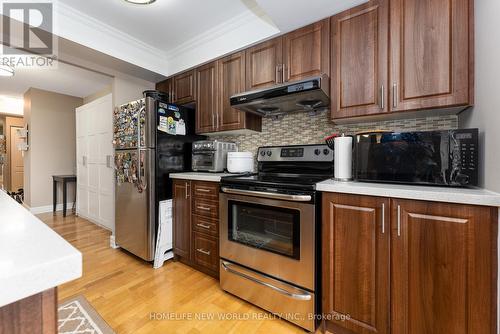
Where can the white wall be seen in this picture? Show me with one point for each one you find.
(486, 114)
(127, 89)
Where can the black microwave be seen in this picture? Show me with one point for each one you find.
(443, 158)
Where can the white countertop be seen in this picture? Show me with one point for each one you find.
(425, 193)
(200, 176)
(33, 257)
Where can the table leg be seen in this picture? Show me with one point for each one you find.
(54, 195)
(64, 197)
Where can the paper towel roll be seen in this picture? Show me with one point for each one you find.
(343, 158)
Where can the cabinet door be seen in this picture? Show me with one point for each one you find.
(306, 51)
(231, 81)
(356, 263)
(167, 87)
(181, 211)
(443, 264)
(184, 87)
(431, 58)
(263, 63)
(206, 98)
(360, 60)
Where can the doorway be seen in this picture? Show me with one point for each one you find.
(16, 160)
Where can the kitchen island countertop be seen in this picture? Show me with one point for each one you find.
(33, 258)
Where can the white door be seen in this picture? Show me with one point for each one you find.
(95, 162)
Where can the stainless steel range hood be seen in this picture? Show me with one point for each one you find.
(305, 95)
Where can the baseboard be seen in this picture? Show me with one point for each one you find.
(48, 208)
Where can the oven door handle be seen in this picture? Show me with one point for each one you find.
(303, 296)
(263, 194)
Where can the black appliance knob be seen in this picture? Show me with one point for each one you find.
(317, 151)
(263, 153)
(269, 153)
(326, 151)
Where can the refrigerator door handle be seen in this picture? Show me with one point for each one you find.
(140, 184)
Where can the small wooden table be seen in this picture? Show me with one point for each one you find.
(64, 179)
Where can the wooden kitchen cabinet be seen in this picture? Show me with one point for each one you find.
(184, 88)
(444, 268)
(359, 63)
(432, 63)
(355, 276)
(408, 267)
(196, 224)
(167, 87)
(181, 215)
(306, 52)
(231, 82)
(206, 98)
(263, 64)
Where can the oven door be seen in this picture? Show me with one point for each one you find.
(273, 236)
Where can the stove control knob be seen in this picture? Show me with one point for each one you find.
(317, 151)
(326, 151)
(263, 153)
(269, 153)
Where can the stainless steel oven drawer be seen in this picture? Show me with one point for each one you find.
(287, 301)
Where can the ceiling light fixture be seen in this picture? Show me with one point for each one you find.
(6, 71)
(141, 2)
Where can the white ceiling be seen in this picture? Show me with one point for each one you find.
(66, 79)
(164, 24)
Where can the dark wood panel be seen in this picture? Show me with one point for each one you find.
(206, 98)
(181, 214)
(306, 51)
(231, 81)
(206, 251)
(262, 64)
(431, 54)
(356, 262)
(34, 314)
(360, 60)
(444, 265)
(184, 87)
(206, 208)
(205, 190)
(206, 225)
(167, 87)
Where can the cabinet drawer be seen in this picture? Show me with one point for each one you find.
(206, 251)
(205, 225)
(205, 208)
(207, 190)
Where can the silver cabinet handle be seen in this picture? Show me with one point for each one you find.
(207, 227)
(382, 97)
(303, 296)
(284, 72)
(217, 121)
(399, 220)
(204, 208)
(203, 251)
(201, 190)
(108, 161)
(84, 160)
(263, 194)
(383, 218)
(276, 78)
(187, 190)
(395, 95)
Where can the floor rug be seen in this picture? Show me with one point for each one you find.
(77, 316)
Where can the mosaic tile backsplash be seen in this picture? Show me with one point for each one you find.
(301, 128)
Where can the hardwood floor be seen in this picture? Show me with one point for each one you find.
(128, 292)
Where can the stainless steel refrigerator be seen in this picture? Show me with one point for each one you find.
(152, 139)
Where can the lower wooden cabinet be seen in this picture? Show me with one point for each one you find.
(196, 224)
(408, 267)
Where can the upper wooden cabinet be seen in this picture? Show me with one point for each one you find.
(360, 40)
(263, 64)
(184, 87)
(356, 266)
(431, 54)
(166, 86)
(206, 98)
(231, 82)
(306, 52)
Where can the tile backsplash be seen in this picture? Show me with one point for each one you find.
(301, 128)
